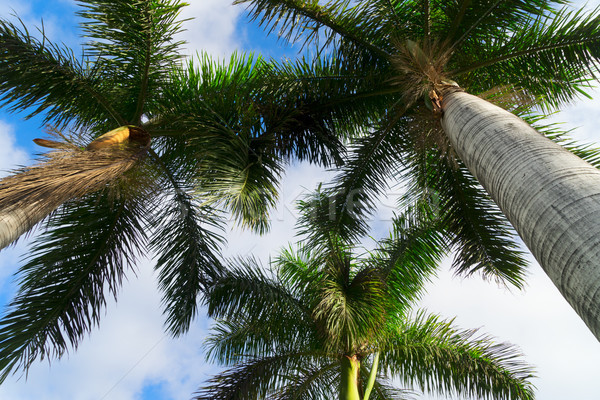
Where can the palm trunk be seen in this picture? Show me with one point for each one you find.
(550, 196)
(15, 222)
(349, 384)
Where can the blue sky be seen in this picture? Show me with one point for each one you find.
(130, 357)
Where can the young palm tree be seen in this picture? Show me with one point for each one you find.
(327, 323)
(185, 140)
(416, 60)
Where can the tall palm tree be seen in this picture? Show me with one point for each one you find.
(186, 141)
(417, 59)
(328, 323)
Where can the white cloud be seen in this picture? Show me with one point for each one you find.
(11, 155)
(581, 116)
(538, 320)
(129, 351)
(57, 25)
(212, 28)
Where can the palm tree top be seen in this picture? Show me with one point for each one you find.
(218, 141)
(388, 64)
(483, 45)
(289, 330)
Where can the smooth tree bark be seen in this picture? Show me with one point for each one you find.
(18, 220)
(349, 382)
(551, 196)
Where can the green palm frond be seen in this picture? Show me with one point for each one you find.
(134, 41)
(250, 97)
(62, 293)
(218, 122)
(243, 292)
(323, 223)
(255, 377)
(308, 108)
(364, 177)
(478, 232)
(314, 381)
(237, 338)
(245, 183)
(553, 131)
(438, 358)
(558, 51)
(185, 241)
(296, 18)
(468, 20)
(408, 257)
(350, 310)
(71, 92)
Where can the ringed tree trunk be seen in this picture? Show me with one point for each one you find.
(550, 196)
(17, 220)
(29, 195)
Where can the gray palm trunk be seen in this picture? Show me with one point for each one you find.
(551, 197)
(18, 220)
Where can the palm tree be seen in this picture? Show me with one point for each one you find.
(327, 323)
(187, 141)
(414, 62)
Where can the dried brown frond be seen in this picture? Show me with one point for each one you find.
(426, 133)
(72, 172)
(64, 175)
(32, 193)
(420, 67)
(58, 141)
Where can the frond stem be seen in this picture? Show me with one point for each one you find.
(468, 31)
(457, 21)
(523, 53)
(427, 19)
(137, 116)
(322, 17)
(372, 376)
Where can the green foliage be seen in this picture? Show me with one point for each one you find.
(405, 49)
(221, 133)
(284, 332)
(61, 296)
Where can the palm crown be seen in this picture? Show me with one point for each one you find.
(328, 323)
(192, 138)
(397, 66)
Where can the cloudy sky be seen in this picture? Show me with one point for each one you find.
(130, 357)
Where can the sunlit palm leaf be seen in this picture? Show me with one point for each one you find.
(70, 92)
(134, 42)
(438, 358)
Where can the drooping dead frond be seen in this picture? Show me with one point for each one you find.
(426, 133)
(61, 141)
(60, 176)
